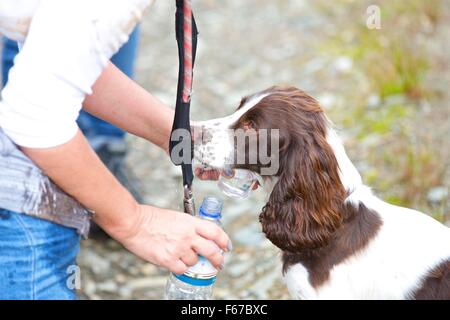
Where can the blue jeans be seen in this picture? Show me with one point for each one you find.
(91, 126)
(37, 258)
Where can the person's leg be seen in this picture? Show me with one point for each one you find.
(37, 258)
(9, 51)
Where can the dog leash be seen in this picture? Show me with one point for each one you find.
(186, 35)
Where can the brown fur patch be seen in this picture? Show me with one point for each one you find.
(436, 285)
(359, 227)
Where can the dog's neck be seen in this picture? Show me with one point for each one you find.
(349, 175)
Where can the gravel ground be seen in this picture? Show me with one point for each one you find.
(244, 46)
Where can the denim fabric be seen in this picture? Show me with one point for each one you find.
(37, 258)
(9, 51)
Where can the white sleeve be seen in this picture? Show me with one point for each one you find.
(68, 45)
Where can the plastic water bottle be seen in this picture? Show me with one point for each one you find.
(237, 183)
(197, 283)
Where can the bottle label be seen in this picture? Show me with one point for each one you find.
(202, 269)
(202, 273)
(195, 281)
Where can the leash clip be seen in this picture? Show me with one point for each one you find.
(188, 202)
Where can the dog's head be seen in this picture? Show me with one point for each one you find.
(303, 209)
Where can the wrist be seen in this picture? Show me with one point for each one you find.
(124, 222)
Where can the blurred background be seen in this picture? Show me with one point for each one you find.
(386, 90)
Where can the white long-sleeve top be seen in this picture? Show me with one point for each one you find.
(66, 45)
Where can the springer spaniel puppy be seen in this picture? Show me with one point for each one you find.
(339, 241)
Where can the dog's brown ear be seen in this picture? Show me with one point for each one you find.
(304, 207)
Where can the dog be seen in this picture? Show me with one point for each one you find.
(338, 240)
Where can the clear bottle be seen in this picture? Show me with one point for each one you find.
(237, 183)
(197, 283)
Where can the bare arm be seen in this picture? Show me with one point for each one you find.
(164, 237)
(76, 168)
(120, 101)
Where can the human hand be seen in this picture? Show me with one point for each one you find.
(174, 240)
(214, 174)
(207, 174)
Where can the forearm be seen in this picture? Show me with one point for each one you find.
(76, 168)
(122, 102)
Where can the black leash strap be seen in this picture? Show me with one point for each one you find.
(183, 102)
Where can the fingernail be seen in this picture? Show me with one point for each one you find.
(228, 173)
(222, 265)
(230, 246)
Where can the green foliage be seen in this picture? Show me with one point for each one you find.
(392, 64)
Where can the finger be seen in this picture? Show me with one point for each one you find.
(199, 172)
(210, 174)
(255, 185)
(210, 231)
(178, 267)
(228, 173)
(210, 251)
(190, 258)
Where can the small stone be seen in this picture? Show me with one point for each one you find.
(327, 100)
(437, 195)
(235, 210)
(144, 283)
(244, 294)
(94, 261)
(124, 263)
(89, 288)
(343, 64)
(134, 271)
(250, 235)
(373, 101)
(314, 65)
(148, 269)
(107, 286)
(266, 244)
(120, 278)
(239, 268)
(125, 292)
(261, 287)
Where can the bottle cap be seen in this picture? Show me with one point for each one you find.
(211, 207)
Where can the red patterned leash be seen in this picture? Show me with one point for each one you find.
(187, 44)
(186, 35)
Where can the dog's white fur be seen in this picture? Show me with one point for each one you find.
(392, 265)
